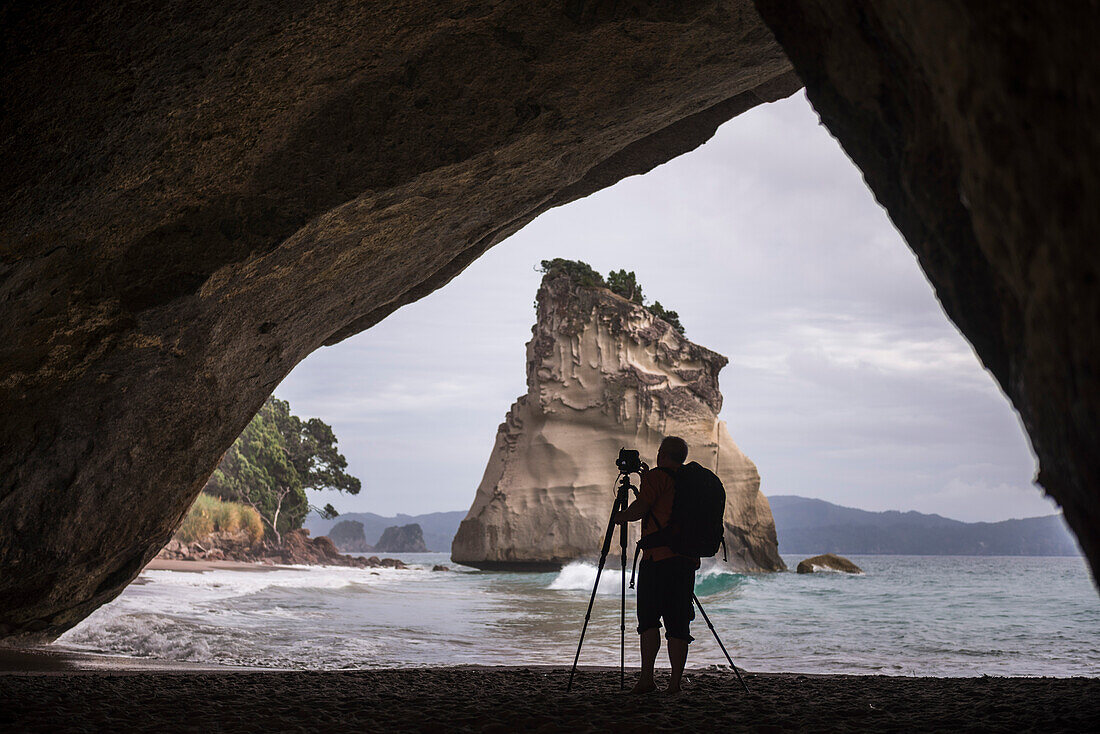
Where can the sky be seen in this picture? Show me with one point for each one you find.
(846, 380)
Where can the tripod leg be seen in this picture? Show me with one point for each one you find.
(719, 640)
(599, 571)
(622, 608)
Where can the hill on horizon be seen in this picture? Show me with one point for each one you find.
(439, 527)
(806, 525)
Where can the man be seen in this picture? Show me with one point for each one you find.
(666, 581)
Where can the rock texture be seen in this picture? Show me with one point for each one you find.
(349, 537)
(403, 539)
(297, 548)
(197, 196)
(827, 561)
(975, 126)
(603, 373)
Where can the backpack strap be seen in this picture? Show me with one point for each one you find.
(649, 516)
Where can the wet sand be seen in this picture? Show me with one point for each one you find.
(534, 699)
(163, 564)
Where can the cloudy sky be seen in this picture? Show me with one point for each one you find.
(846, 380)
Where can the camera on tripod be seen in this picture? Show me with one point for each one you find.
(629, 461)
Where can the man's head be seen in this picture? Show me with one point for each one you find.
(673, 452)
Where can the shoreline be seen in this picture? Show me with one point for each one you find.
(165, 564)
(533, 698)
(61, 660)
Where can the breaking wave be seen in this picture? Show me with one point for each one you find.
(580, 575)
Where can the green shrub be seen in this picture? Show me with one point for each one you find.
(621, 282)
(581, 272)
(671, 317)
(210, 514)
(625, 284)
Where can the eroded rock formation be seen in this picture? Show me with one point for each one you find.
(349, 537)
(402, 539)
(603, 373)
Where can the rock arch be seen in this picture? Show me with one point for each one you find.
(194, 202)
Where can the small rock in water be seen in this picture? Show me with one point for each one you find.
(830, 561)
(440, 567)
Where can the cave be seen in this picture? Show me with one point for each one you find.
(195, 200)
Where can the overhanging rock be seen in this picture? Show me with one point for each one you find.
(196, 198)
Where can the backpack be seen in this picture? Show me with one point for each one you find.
(696, 527)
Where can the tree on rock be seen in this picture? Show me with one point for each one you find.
(621, 282)
(626, 285)
(275, 460)
(671, 317)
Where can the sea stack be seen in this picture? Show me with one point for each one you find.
(603, 372)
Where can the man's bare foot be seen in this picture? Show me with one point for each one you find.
(643, 687)
(675, 687)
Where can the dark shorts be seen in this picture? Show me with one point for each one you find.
(665, 590)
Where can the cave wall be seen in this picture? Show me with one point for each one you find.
(196, 196)
(975, 126)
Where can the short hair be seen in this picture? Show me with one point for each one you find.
(676, 448)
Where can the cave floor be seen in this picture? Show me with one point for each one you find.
(516, 699)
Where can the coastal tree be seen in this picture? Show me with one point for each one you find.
(671, 317)
(621, 282)
(275, 460)
(625, 284)
(579, 271)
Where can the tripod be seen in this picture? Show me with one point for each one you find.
(621, 496)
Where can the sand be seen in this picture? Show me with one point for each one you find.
(163, 564)
(534, 700)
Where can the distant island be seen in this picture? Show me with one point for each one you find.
(438, 528)
(807, 525)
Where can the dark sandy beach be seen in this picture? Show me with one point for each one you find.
(517, 699)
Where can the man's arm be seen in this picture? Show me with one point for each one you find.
(635, 511)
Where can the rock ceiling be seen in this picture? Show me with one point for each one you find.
(195, 199)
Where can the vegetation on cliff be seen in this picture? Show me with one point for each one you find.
(275, 460)
(211, 515)
(621, 282)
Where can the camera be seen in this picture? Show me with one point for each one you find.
(629, 461)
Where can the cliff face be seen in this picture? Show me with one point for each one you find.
(603, 373)
(402, 539)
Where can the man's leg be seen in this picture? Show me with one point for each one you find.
(678, 617)
(649, 627)
(677, 658)
(651, 644)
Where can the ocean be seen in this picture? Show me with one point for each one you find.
(906, 615)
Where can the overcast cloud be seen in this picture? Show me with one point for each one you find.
(846, 380)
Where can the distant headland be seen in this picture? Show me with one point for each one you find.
(807, 525)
